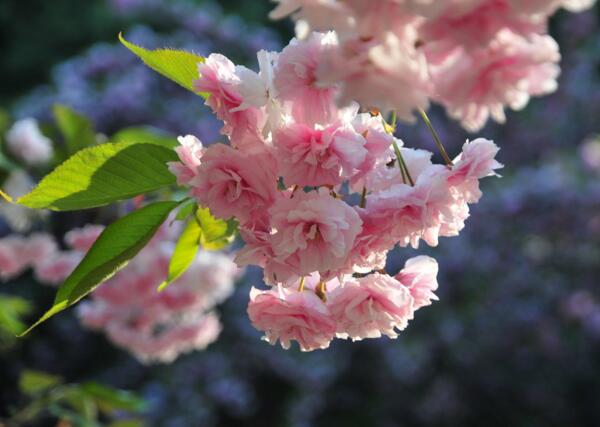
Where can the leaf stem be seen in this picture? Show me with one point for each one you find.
(403, 168)
(436, 138)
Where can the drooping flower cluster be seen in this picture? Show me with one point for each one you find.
(295, 163)
(475, 57)
(355, 308)
(153, 326)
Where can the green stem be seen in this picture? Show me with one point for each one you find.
(401, 163)
(403, 168)
(393, 120)
(436, 138)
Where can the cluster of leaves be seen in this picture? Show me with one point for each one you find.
(134, 164)
(88, 404)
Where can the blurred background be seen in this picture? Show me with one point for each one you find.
(515, 337)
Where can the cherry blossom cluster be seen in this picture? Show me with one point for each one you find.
(19, 253)
(322, 193)
(153, 326)
(474, 57)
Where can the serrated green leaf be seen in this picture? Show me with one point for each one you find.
(115, 247)
(76, 129)
(185, 252)
(145, 134)
(177, 65)
(216, 233)
(109, 399)
(103, 174)
(34, 382)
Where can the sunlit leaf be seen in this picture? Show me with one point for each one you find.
(115, 247)
(185, 252)
(216, 233)
(103, 174)
(177, 65)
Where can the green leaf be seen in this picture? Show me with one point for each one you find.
(145, 134)
(103, 174)
(80, 402)
(34, 382)
(11, 311)
(187, 208)
(115, 247)
(177, 65)
(109, 399)
(216, 233)
(76, 129)
(185, 252)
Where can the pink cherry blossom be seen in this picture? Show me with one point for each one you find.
(477, 160)
(82, 239)
(12, 263)
(170, 343)
(287, 315)
(377, 144)
(235, 184)
(371, 246)
(409, 213)
(54, 270)
(258, 250)
(159, 326)
(296, 79)
(370, 307)
(313, 232)
(479, 83)
(475, 25)
(219, 80)
(419, 275)
(318, 156)
(190, 152)
(38, 247)
(212, 276)
(374, 19)
(388, 75)
(25, 140)
(321, 14)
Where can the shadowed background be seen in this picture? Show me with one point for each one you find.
(515, 337)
